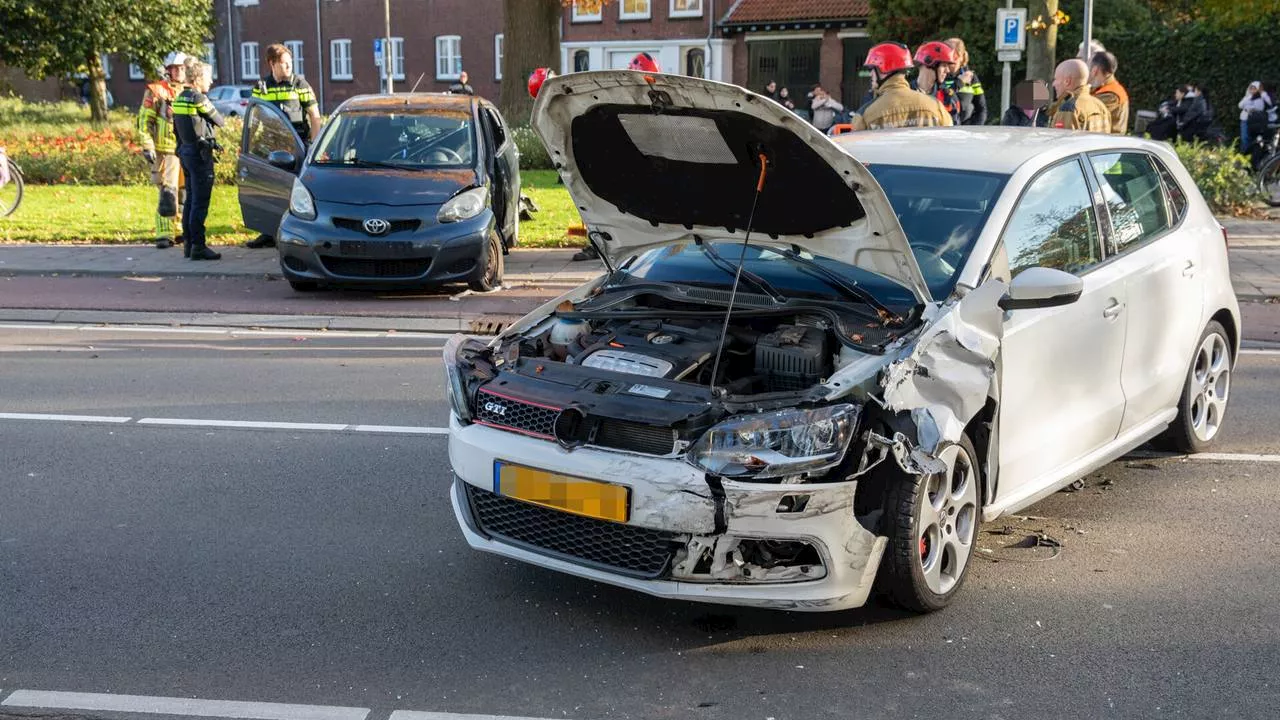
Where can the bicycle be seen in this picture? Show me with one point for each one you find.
(11, 185)
(1269, 168)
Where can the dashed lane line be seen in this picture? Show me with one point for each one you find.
(228, 330)
(242, 424)
(65, 418)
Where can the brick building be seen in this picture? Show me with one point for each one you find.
(680, 34)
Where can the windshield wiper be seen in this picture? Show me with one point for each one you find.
(832, 278)
(718, 260)
(372, 163)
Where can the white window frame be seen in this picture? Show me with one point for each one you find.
(211, 58)
(245, 3)
(106, 66)
(673, 12)
(135, 72)
(340, 49)
(397, 58)
(597, 16)
(497, 56)
(451, 62)
(296, 49)
(245, 47)
(624, 15)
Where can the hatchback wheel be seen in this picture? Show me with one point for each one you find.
(489, 274)
(1203, 405)
(932, 524)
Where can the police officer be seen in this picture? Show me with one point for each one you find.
(294, 96)
(1075, 108)
(195, 122)
(896, 104)
(967, 86)
(155, 132)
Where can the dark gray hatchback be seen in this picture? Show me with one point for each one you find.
(405, 190)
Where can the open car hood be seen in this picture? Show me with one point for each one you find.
(654, 159)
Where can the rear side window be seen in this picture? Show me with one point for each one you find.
(1134, 196)
(1054, 225)
(499, 132)
(1177, 198)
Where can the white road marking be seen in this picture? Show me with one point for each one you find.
(180, 706)
(256, 424)
(1257, 351)
(228, 330)
(1203, 457)
(417, 715)
(405, 429)
(64, 418)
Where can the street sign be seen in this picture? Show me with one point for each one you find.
(377, 52)
(1011, 29)
(1009, 55)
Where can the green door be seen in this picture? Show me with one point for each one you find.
(857, 79)
(793, 64)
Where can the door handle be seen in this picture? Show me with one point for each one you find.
(244, 173)
(1189, 270)
(1112, 310)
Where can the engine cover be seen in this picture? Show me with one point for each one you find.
(652, 349)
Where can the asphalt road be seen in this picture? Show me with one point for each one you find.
(325, 568)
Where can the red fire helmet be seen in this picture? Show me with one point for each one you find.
(537, 78)
(644, 62)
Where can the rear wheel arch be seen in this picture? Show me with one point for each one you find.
(1228, 323)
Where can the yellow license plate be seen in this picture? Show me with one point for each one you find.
(579, 496)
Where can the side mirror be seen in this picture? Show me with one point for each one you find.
(1042, 287)
(283, 160)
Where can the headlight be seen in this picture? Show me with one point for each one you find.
(464, 206)
(300, 201)
(457, 388)
(777, 444)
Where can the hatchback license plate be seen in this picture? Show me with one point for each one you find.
(375, 249)
(589, 498)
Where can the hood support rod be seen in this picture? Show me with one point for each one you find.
(737, 276)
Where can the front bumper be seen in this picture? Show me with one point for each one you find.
(671, 496)
(432, 254)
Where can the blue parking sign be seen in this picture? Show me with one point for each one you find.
(1011, 29)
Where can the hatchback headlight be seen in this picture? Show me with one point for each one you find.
(777, 444)
(457, 388)
(464, 205)
(300, 201)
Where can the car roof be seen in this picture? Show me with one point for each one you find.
(411, 101)
(992, 149)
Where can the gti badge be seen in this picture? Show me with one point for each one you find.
(495, 408)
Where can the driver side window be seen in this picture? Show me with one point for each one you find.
(1054, 225)
(268, 131)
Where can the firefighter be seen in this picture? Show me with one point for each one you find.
(155, 130)
(195, 123)
(1076, 108)
(937, 61)
(294, 96)
(896, 104)
(1109, 91)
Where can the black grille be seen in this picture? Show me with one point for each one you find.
(357, 224)
(636, 437)
(363, 267)
(625, 549)
(523, 417)
(461, 266)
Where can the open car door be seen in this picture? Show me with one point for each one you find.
(264, 187)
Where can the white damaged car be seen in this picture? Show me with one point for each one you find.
(813, 369)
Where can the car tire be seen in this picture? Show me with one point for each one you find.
(489, 273)
(1202, 406)
(932, 525)
(304, 285)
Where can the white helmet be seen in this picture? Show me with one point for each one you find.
(175, 58)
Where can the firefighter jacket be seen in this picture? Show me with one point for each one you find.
(897, 105)
(294, 97)
(1080, 111)
(195, 119)
(155, 118)
(1113, 95)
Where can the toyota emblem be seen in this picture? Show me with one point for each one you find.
(376, 226)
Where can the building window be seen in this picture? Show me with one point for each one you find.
(245, 3)
(211, 59)
(135, 72)
(340, 59)
(634, 9)
(497, 56)
(448, 57)
(106, 66)
(686, 8)
(587, 11)
(581, 60)
(695, 63)
(249, 61)
(397, 58)
(295, 49)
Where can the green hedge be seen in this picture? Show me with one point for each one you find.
(1223, 61)
(533, 154)
(1222, 175)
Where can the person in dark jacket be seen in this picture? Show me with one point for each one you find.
(967, 86)
(195, 125)
(463, 86)
(1192, 114)
(1030, 98)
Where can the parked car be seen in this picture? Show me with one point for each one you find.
(231, 100)
(932, 328)
(414, 190)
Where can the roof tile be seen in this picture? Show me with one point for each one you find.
(763, 11)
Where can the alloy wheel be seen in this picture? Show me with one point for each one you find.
(1210, 386)
(947, 521)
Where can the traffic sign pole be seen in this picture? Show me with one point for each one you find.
(1011, 40)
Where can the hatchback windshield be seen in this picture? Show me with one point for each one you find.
(413, 140)
(942, 212)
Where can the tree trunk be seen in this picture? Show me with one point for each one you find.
(1042, 47)
(97, 91)
(531, 39)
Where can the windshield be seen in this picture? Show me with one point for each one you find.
(687, 264)
(942, 212)
(412, 140)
